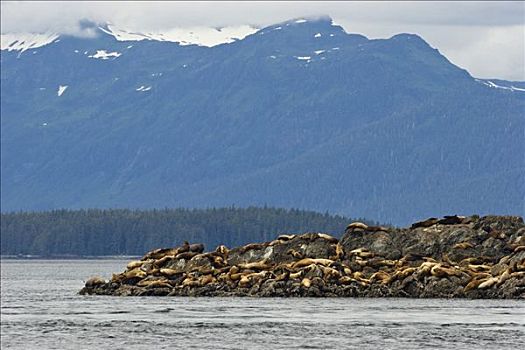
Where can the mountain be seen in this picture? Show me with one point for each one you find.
(298, 114)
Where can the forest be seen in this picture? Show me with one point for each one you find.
(112, 232)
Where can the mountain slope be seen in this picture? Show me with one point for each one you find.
(299, 114)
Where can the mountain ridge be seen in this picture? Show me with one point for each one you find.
(282, 117)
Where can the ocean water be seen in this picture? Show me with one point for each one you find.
(40, 309)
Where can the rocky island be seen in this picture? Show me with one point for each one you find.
(451, 257)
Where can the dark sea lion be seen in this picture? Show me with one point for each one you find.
(186, 255)
(222, 250)
(197, 248)
(95, 282)
(425, 223)
(451, 220)
(285, 238)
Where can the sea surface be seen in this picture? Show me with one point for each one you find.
(40, 309)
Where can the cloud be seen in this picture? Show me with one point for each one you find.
(486, 38)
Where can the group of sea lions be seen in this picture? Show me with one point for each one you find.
(318, 264)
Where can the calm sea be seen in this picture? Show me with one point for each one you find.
(40, 309)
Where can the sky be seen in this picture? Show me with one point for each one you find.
(486, 38)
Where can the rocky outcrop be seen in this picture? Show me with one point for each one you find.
(452, 257)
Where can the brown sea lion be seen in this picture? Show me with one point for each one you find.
(306, 282)
(294, 253)
(251, 246)
(377, 229)
(134, 264)
(258, 265)
(463, 245)
(197, 247)
(327, 237)
(488, 283)
(356, 226)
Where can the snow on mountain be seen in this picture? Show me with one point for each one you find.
(104, 55)
(203, 36)
(25, 41)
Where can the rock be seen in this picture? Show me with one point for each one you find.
(452, 257)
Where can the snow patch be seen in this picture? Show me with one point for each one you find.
(496, 86)
(202, 36)
(61, 89)
(104, 55)
(25, 41)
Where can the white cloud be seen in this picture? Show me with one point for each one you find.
(486, 38)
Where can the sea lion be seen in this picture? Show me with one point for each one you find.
(329, 273)
(135, 273)
(356, 226)
(306, 282)
(294, 253)
(441, 271)
(339, 251)
(362, 253)
(251, 246)
(451, 220)
(519, 248)
(327, 237)
(425, 223)
(380, 276)
(309, 261)
(479, 268)
(244, 282)
(196, 248)
(134, 264)
(474, 283)
(377, 229)
(285, 238)
(488, 283)
(504, 276)
(186, 255)
(296, 275)
(161, 252)
(206, 279)
(258, 265)
(95, 281)
(222, 250)
(463, 245)
(170, 272)
(190, 282)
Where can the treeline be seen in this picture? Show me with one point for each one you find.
(96, 232)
